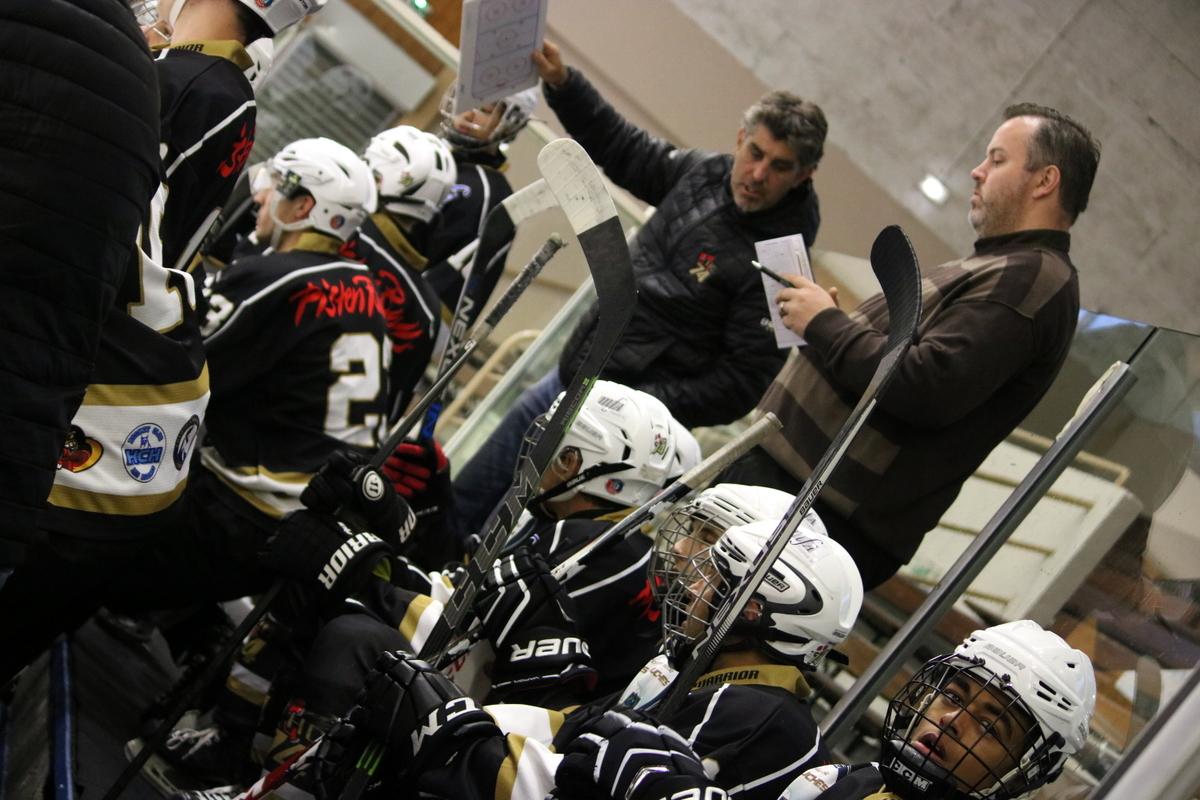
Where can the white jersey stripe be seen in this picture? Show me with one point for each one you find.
(186, 154)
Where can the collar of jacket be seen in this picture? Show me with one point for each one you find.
(781, 676)
(314, 242)
(1036, 237)
(399, 242)
(227, 49)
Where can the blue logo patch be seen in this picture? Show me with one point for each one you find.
(184, 442)
(143, 451)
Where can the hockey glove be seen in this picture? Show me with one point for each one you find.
(420, 716)
(323, 555)
(346, 484)
(620, 756)
(527, 616)
(420, 474)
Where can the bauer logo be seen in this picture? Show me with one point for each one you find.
(143, 451)
(184, 442)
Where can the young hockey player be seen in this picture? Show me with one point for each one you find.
(478, 137)
(207, 54)
(996, 718)
(620, 450)
(746, 718)
(414, 171)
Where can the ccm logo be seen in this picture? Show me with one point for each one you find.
(710, 793)
(439, 717)
(900, 768)
(549, 647)
(337, 562)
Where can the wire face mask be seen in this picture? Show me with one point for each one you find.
(959, 730)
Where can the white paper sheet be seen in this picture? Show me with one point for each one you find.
(497, 39)
(784, 256)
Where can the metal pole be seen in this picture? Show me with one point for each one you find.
(1162, 761)
(1096, 405)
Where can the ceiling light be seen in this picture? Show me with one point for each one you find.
(934, 189)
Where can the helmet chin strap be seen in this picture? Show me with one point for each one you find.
(166, 32)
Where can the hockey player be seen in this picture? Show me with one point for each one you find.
(414, 172)
(746, 719)
(478, 137)
(995, 719)
(207, 55)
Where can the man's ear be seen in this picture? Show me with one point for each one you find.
(1047, 181)
(741, 136)
(304, 206)
(753, 610)
(567, 463)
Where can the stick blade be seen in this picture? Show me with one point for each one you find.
(580, 191)
(895, 265)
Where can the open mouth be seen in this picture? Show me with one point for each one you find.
(930, 745)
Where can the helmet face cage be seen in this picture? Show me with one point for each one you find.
(957, 729)
(692, 598)
(688, 531)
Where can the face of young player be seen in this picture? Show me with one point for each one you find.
(479, 123)
(1002, 184)
(286, 210)
(972, 731)
(764, 170)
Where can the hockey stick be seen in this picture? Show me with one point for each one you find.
(690, 482)
(580, 191)
(481, 332)
(895, 265)
(498, 231)
(695, 479)
(153, 742)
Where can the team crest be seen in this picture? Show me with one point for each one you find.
(704, 266)
(143, 450)
(184, 442)
(79, 452)
(614, 485)
(660, 445)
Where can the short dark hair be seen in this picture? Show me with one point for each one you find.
(790, 119)
(1063, 142)
(252, 25)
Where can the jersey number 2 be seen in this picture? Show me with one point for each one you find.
(360, 362)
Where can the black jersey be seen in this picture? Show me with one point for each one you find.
(410, 305)
(126, 459)
(479, 189)
(298, 351)
(617, 615)
(207, 130)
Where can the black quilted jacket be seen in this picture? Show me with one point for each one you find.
(699, 339)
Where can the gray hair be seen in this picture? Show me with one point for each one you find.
(790, 119)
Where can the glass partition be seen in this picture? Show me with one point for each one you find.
(1108, 558)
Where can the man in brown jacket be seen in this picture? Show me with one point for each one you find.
(995, 329)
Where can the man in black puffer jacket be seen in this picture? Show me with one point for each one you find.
(78, 164)
(699, 339)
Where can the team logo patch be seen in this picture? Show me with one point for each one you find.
(337, 221)
(79, 452)
(614, 485)
(143, 451)
(263, 3)
(704, 266)
(184, 442)
(660, 445)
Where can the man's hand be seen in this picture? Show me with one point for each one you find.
(549, 65)
(322, 555)
(798, 306)
(346, 484)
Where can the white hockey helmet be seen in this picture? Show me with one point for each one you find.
(626, 447)
(687, 451)
(935, 724)
(280, 14)
(511, 114)
(804, 607)
(698, 524)
(341, 185)
(413, 169)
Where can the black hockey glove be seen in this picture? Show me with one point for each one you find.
(323, 555)
(618, 756)
(527, 616)
(418, 714)
(346, 484)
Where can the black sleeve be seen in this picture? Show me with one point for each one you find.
(632, 158)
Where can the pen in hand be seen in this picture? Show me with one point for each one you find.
(772, 274)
